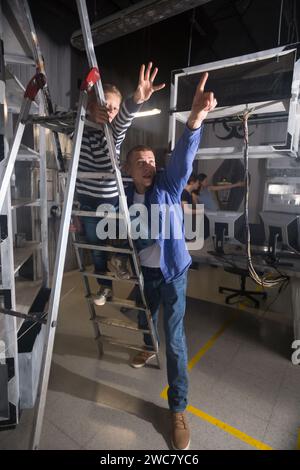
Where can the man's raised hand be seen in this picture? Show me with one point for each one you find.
(203, 103)
(145, 86)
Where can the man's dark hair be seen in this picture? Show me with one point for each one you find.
(201, 177)
(138, 148)
(192, 179)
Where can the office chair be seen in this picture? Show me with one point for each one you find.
(242, 292)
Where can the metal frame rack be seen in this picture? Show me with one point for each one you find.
(252, 67)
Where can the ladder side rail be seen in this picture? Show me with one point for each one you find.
(34, 85)
(58, 276)
(9, 161)
(44, 205)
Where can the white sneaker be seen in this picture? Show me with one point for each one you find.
(142, 358)
(102, 296)
(118, 265)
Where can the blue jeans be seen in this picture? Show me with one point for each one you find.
(172, 297)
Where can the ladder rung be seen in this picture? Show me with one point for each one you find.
(109, 215)
(61, 122)
(18, 59)
(22, 202)
(90, 175)
(112, 249)
(87, 175)
(109, 277)
(118, 323)
(123, 344)
(27, 154)
(130, 304)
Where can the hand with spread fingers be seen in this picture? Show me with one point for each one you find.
(145, 86)
(203, 103)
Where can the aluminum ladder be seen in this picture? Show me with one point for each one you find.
(65, 123)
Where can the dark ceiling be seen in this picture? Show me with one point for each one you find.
(216, 30)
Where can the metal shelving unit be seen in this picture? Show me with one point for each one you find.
(21, 255)
(20, 203)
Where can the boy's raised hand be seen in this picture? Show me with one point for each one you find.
(203, 103)
(145, 86)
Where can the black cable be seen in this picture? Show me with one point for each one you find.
(281, 289)
(280, 23)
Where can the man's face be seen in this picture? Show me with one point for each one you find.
(141, 167)
(204, 183)
(195, 185)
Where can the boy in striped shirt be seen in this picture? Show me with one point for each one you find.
(94, 157)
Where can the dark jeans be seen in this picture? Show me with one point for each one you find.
(90, 225)
(99, 257)
(172, 297)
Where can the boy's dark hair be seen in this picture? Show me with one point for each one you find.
(138, 148)
(107, 88)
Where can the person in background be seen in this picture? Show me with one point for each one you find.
(205, 192)
(188, 194)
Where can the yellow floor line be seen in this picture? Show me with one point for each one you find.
(204, 349)
(211, 342)
(164, 393)
(229, 429)
(298, 441)
(206, 417)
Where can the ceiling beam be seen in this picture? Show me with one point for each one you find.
(138, 16)
(121, 4)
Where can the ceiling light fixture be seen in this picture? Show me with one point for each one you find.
(150, 112)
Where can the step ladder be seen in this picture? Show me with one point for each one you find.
(65, 123)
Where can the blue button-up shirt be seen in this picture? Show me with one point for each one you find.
(166, 190)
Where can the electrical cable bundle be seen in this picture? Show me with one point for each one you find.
(268, 280)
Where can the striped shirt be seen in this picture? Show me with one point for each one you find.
(94, 154)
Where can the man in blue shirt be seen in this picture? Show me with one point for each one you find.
(165, 260)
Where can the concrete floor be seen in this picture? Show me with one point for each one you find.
(244, 390)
